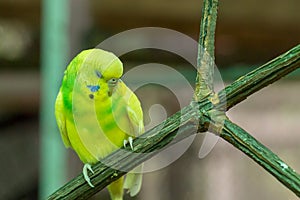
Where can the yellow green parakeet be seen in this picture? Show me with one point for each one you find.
(97, 113)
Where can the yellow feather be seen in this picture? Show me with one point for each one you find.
(61, 120)
(96, 111)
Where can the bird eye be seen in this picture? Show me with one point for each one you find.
(113, 80)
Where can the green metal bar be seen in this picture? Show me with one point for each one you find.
(243, 141)
(206, 48)
(54, 51)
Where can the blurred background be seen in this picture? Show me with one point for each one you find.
(248, 34)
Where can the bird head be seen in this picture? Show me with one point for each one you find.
(100, 67)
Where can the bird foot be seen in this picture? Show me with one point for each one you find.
(130, 141)
(86, 168)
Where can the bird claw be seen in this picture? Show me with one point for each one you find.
(130, 141)
(125, 142)
(85, 169)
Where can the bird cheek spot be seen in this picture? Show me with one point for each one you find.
(93, 88)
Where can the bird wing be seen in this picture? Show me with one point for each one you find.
(135, 114)
(133, 180)
(61, 119)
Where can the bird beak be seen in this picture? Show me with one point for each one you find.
(112, 87)
(110, 91)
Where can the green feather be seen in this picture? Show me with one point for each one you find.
(94, 119)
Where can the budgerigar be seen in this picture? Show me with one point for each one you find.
(97, 113)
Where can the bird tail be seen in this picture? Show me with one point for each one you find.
(116, 189)
(133, 180)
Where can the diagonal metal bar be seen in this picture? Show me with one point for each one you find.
(243, 141)
(259, 78)
(179, 126)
